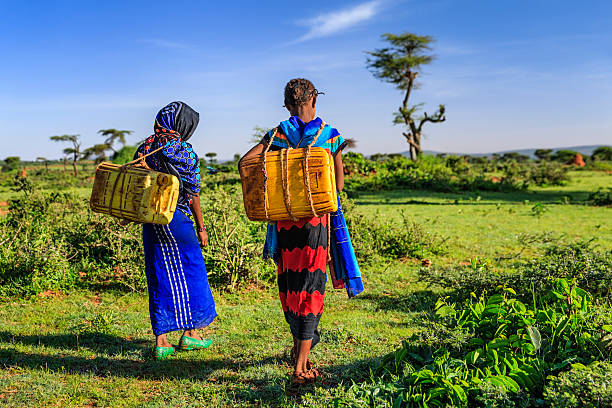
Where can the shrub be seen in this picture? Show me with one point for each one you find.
(376, 237)
(582, 386)
(53, 241)
(602, 153)
(508, 350)
(234, 253)
(125, 154)
(450, 173)
(591, 268)
(11, 163)
(564, 156)
(601, 197)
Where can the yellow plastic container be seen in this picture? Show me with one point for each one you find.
(267, 200)
(134, 193)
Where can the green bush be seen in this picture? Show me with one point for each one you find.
(124, 155)
(602, 153)
(447, 174)
(601, 197)
(11, 163)
(234, 253)
(54, 241)
(582, 386)
(590, 267)
(564, 156)
(505, 351)
(376, 237)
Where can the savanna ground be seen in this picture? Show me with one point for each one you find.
(87, 348)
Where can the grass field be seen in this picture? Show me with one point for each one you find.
(94, 349)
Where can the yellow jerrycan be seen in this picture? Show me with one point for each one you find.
(289, 184)
(134, 192)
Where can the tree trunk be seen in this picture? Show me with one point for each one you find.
(413, 153)
(417, 145)
(65, 164)
(74, 167)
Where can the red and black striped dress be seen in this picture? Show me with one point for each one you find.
(301, 274)
(303, 248)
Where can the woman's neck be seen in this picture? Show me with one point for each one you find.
(307, 114)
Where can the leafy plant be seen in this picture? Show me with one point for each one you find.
(601, 197)
(510, 350)
(582, 386)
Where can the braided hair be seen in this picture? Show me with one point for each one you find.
(298, 91)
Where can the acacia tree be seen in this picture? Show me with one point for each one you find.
(400, 64)
(44, 159)
(114, 135)
(543, 154)
(97, 152)
(211, 157)
(75, 150)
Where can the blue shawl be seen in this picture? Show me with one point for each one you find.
(346, 268)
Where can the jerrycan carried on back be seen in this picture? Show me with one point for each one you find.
(289, 184)
(134, 193)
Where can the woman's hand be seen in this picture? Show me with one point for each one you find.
(203, 237)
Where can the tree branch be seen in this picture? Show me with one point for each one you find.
(408, 137)
(436, 118)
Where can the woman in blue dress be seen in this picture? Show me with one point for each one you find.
(179, 294)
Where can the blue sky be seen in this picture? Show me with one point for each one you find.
(513, 74)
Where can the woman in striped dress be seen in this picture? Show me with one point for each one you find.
(179, 295)
(302, 250)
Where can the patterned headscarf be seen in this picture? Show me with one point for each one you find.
(177, 120)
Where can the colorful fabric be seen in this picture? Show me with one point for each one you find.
(300, 248)
(174, 124)
(301, 274)
(295, 133)
(289, 133)
(179, 295)
(346, 269)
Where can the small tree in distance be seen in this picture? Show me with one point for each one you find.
(44, 160)
(211, 157)
(602, 153)
(75, 150)
(96, 152)
(543, 154)
(114, 135)
(258, 134)
(399, 64)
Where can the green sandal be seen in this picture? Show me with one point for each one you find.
(189, 343)
(162, 353)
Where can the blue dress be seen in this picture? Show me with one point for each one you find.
(179, 294)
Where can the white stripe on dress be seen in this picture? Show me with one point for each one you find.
(173, 259)
(171, 279)
(182, 272)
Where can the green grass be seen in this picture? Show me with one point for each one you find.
(83, 348)
(94, 349)
(487, 224)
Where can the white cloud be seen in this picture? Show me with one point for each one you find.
(330, 23)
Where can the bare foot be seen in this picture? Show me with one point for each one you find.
(162, 341)
(193, 334)
(300, 378)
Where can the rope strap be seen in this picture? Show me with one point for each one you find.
(122, 173)
(285, 175)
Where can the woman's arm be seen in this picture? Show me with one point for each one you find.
(196, 210)
(339, 170)
(255, 150)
